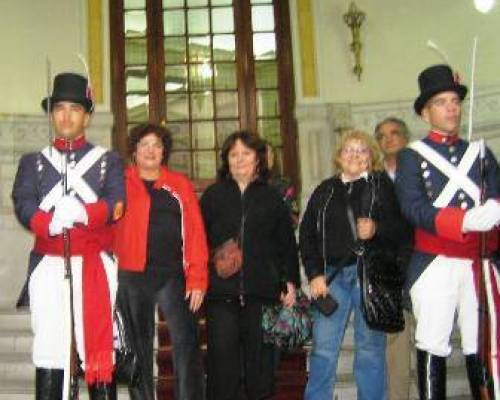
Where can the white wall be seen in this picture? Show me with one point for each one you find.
(394, 37)
(31, 31)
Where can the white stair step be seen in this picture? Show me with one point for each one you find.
(14, 320)
(15, 341)
(16, 367)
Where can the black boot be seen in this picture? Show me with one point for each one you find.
(431, 372)
(101, 391)
(475, 373)
(49, 384)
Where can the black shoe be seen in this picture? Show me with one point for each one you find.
(101, 391)
(49, 384)
(431, 371)
(476, 372)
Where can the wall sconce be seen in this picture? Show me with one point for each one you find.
(354, 18)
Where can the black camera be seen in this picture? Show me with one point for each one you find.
(326, 305)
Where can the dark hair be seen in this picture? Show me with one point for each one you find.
(141, 130)
(249, 140)
(403, 128)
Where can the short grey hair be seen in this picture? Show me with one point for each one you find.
(403, 128)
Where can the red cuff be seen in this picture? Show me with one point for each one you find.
(39, 223)
(449, 223)
(97, 214)
(197, 281)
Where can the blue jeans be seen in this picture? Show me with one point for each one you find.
(328, 333)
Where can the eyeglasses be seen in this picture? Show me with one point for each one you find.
(355, 151)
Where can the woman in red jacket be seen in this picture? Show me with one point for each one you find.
(162, 255)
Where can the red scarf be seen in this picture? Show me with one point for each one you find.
(97, 321)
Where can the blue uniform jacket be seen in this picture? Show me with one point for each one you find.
(419, 183)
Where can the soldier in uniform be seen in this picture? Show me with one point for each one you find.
(92, 200)
(438, 183)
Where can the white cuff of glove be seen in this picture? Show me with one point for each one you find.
(70, 209)
(57, 225)
(482, 218)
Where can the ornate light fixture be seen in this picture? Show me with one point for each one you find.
(354, 18)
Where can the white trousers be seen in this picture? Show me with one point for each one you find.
(445, 290)
(49, 302)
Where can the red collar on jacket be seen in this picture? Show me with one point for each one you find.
(63, 144)
(438, 137)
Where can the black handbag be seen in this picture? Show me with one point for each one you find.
(381, 290)
(379, 275)
(127, 368)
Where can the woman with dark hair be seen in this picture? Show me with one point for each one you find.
(162, 256)
(241, 206)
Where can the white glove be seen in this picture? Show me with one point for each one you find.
(57, 225)
(71, 211)
(482, 218)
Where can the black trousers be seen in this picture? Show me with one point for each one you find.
(139, 293)
(240, 365)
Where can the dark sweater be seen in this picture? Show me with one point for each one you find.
(329, 201)
(269, 248)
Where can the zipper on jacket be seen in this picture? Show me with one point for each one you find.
(323, 228)
(241, 295)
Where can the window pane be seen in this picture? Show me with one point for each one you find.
(200, 77)
(128, 4)
(225, 76)
(222, 20)
(136, 51)
(175, 50)
(137, 107)
(262, 18)
(203, 134)
(224, 48)
(173, 3)
(173, 22)
(264, 46)
(226, 104)
(196, 3)
(224, 129)
(221, 2)
(199, 48)
(267, 103)
(202, 106)
(176, 78)
(180, 135)
(180, 161)
(198, 21)
(266, 75)
(135, 23)
(269, 129)
(136, 79)
(204, 165)
(177, 107)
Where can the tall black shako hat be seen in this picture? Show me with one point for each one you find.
(71, 87)
(436, 79)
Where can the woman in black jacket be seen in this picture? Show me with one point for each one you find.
(327, 243)
(241, 205)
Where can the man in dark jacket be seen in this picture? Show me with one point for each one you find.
(392, 135)
(438, 183)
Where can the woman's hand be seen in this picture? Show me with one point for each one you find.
(318, 287)
(365, 228)
(288, 298)
(195, 297)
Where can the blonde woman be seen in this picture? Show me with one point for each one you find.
(326, 244)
